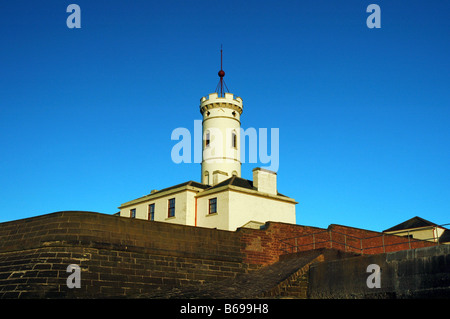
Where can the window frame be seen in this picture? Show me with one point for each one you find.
(169, 207)
(151, 214)
(234, 139)
(214, 204)
(207, 139)
(133, 213)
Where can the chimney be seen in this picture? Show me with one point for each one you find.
(265, 181)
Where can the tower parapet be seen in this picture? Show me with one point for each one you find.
(214, 101)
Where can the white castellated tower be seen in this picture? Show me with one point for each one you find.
(223, 199)
(221, 157)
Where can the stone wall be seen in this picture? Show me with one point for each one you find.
(117, 256)
(416, 273)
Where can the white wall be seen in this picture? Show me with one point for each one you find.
(234, 209)
(218, 220)
(248, 207)
(184, 208)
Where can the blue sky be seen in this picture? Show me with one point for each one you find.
(364, 114)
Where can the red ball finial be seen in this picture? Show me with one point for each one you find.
(221, 73)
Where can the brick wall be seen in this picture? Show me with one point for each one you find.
(265, 246)
(371, 242)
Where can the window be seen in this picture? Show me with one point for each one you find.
(133, 213)
(207, 139)
(213, 205)
(171, 212)
(233, 139)
(151, 212)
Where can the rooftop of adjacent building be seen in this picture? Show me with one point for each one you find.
(418, 223)
(415, 222)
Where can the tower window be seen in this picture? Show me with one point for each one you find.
(151, 212)
(233, 139)
(207, 139)
(133, 213)
(171, 210)
(213, 205)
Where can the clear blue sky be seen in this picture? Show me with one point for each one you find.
(364, 114)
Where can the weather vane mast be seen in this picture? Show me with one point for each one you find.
(221, 84)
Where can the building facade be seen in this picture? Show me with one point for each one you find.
(228, 205)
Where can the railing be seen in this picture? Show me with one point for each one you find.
(350, 243)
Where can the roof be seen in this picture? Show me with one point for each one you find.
(156, 192)
(415, 222)
(238, 182)
(234, 180)
(445, 237)
(189, 183)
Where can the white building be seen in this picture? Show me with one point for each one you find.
(421, 229)
(223, 199)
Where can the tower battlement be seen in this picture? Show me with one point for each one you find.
(213, 100)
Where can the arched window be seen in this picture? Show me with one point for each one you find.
(206, 179)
